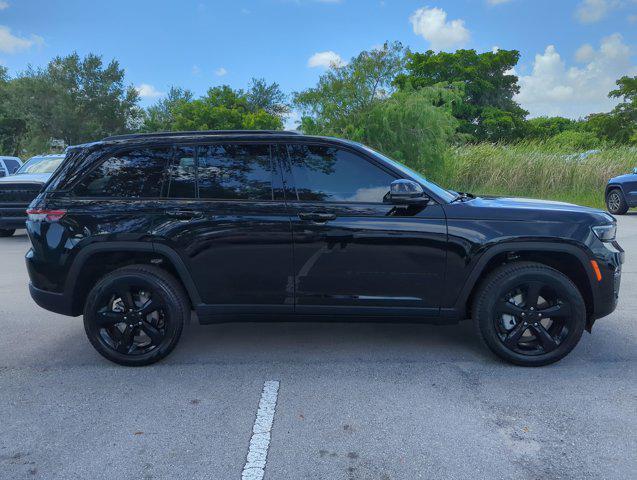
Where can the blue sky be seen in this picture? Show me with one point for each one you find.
(572, 50)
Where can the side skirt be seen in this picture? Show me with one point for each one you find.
(211, 314)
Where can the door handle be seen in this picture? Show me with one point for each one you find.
(184, 214)
(317, 217)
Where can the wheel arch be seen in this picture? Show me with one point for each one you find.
(98, 259)
(569, 259)
(613, 186)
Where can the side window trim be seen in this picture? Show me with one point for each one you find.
(170, 168)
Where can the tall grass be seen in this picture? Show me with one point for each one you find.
(534, 170)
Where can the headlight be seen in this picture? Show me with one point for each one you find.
(606, 233)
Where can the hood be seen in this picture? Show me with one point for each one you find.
(528, 209)
(628, 177)
(26, 178)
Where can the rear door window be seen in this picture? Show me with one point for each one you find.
(130, 174)
(235, 172)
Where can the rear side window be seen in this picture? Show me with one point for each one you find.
(235, 172)
(131, 174)
(332, 174)
(12, 165)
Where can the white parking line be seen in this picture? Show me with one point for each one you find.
(254, 468)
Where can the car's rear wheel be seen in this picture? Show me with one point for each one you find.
(615, 202)
(135, 315)
(4, 232)
(529, 314)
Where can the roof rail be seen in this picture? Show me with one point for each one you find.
(199, 132)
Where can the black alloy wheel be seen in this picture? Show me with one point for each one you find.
(532, 319)
(529, 314)
(135, 315)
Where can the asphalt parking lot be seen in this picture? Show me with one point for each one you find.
(357, 401)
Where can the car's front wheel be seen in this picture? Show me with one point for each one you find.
(529, 314)
(4, 232)
(134, 315)
(615, 202)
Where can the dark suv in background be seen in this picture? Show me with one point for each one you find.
(621, 193)
(135, 232)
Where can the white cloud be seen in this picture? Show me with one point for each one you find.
(4, 5)
(632, 18)
(196, 70)
(555, 89)
(591, 11)
(221, 72)
(148, 91)
(9, 43)
(497, 2)
(326, 60)
(432, 25)
(585, 53)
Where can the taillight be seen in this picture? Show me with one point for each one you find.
(40, 215)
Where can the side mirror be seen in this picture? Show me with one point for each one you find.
(635, 170)
(407, 192)
(2, 173)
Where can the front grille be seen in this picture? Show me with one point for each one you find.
(19, 192)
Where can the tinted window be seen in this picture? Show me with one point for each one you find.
(12, 165)
(332, 174)
(183, 174)
(236, 172)
(136, 173)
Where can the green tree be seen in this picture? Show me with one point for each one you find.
(160, 117)
(542, 128)
(269, 98)
(350, 89)
(12, 128)
(619, 125)
(488, 111)
(72, 99)
(414, 127)
(223, 108)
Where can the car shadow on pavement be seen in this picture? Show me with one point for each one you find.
(328, 341)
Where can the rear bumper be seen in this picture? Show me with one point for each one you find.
(54, 302)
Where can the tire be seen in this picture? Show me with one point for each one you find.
(514, 329)
(6, 232)
(615, 202)
(134, 315)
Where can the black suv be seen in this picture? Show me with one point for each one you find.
(135, 232)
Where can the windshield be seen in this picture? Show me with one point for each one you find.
(40, 165)
(444, 194)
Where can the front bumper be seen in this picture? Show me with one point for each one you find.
(610, 261)
(13, 216)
